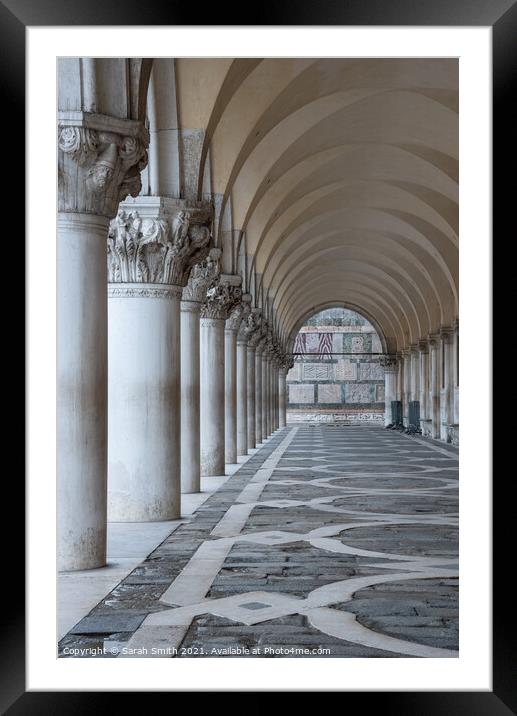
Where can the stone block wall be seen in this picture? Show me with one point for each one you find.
(324, 384)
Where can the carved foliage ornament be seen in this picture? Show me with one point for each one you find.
(149, 250)
(202, 276)
(98, 169)
(221, 299)
(388, 362)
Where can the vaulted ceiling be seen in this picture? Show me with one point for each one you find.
(341, 175)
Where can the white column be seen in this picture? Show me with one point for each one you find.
(242, 395)
(434, 387)
(146, 274)
(230, 395)
(415, 380)
(424, 379)
(221, 299)
(456, 373)
(282, 389)
(194, 294)
(275, 396)
(390, 386)
(258, 394)
(98, 164)
(190, 427)
(265, 395)
(251, 397)
(447, 390)
(235, 395)
(212, 396)
(406, 392)
(144, 397)
(81, 390)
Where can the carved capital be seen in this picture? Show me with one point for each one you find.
(202, 276)
(222, 297)
(433, 339)
(156, 241)
(446, 334)
(99, 162)
(389, 363)
(253, 328)
(238, 318)
(423, 346)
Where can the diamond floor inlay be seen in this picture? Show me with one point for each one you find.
(337, 542)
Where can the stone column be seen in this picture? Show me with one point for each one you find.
(282, 395)
(415, 378)
(99, 164)
(253, 333)
(390, 365)
(258, 392)
(423, 373)
(275, 394)
(265, 394)
(152, 246)
(242, 377)
(456, 369)
(447, 391)
(221, 299)
(230, 383)
(434, 387)
(201, 278)
(406, 390)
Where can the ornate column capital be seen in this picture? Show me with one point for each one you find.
(446, 334)
(423, 345)
(389, 363)
(253, 327)
(222, 297)
(239, 322)
(157, 240)
(99, 161)
(433, 339)
(202, 276)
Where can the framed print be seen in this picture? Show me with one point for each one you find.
(245, 289)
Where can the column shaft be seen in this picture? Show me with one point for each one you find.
(390, 380)
(251, 397)
(81, 390)
(434, 403)
(282, 416)
(258, 397)
(144, 402)
(265, 397)
(190, 426)
(230, 395)
(212, 396)
(242, 397)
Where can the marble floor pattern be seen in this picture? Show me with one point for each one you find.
(330, 541)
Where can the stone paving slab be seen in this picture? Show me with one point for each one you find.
(336, 543)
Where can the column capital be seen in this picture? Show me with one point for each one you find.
(423, 345)
(433, 339)
(446, 334)
(202, 276)
(157, 241)
(237, 317)
(389, 363)
(99, 161)
(254, 325)
(222, 297)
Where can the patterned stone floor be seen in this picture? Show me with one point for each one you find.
(329, 542)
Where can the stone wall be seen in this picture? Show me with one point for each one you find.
(325, 385)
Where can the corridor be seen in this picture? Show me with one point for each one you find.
(329, 541)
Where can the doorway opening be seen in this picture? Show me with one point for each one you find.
(337, 377)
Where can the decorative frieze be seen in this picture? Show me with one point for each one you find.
(99, 161)
(222, 297)
(159, 246)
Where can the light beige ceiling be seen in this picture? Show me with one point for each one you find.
(343, 176)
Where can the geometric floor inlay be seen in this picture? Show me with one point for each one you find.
(327, 542)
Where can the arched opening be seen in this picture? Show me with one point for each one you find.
(337, 376)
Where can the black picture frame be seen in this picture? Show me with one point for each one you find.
(501, 15)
